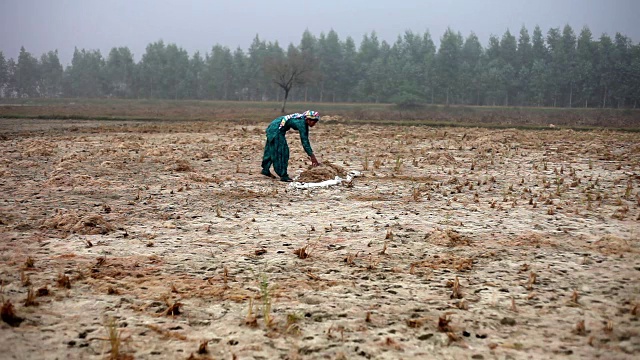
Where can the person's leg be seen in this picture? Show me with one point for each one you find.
(267, 159)
(281, 157)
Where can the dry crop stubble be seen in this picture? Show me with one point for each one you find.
(439, 230)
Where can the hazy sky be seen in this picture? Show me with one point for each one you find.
(197, 25)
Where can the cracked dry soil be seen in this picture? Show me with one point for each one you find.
(163, 241)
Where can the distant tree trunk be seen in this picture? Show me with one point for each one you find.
(447, 97)
(571, 95)
(286, 95)
(604, 97)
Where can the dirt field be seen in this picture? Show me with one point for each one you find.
(154, 240)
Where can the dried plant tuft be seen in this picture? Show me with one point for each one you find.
(174, 309)
(303, 252)
(63, 281)
(24, 278)
(575, 296)
(443, 323)
(251, 319)
(31, 298)
(202, 348)
(384, 248)
(350, 259)
(389, 235)
(532, 280)
(8, 314)
(456, 293)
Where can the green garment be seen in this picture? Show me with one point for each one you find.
(276, 149)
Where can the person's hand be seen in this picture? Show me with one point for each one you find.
(314, 161)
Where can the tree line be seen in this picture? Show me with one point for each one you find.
(559, 69)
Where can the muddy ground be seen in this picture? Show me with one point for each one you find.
(162, 241)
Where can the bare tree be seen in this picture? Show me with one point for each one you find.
(288, 71)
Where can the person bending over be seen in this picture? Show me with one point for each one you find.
(276, 150)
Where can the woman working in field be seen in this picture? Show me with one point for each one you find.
(276, 150)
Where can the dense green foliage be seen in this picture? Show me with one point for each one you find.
(561, 69)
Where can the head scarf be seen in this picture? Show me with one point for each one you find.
(311, 115)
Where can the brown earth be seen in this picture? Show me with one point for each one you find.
(345, 113)
(455, 243)
(325, 171)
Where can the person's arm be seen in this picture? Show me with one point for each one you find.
(304, 138)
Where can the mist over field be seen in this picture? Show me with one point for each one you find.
(498, 53)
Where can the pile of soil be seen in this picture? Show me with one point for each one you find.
(326, 171)
(89, 224)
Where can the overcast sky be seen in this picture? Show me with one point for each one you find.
(197, 25)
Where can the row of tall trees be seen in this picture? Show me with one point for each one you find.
(558, 68)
